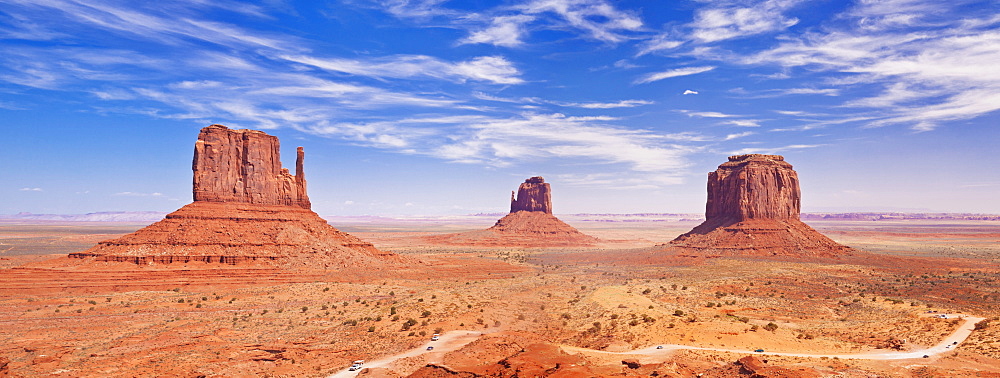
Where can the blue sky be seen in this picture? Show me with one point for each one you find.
(443, 107)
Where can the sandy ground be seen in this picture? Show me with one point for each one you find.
(198, 320)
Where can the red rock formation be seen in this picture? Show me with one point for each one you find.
(530, 223)
(756, 368)
(246, 208)
(753, 209)
(534, 194)
(245, 166)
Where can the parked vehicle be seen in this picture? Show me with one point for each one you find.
(357, 365)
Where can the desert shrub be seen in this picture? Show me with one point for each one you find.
(371, 329)
(305, 308)
(753, 328)
(326, 289)
(425, 314)
(93, 302)
(180, 301)
(392, 310)
(647, 291)
(771, 327)
(614, 316)
(566, 316)
(633, 323)
(678, 313)
(982, 324)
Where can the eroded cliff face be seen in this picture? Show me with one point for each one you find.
(753, 210)
(534, 194)
(244, 166)
(753, 187)
(246, 209)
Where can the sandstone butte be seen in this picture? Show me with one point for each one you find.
(530, 223)
(246, 208)
(753, 210)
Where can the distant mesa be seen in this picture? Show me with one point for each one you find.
(530, 223)
(753, 210)
(246, 208)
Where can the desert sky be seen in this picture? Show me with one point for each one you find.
(443, 107)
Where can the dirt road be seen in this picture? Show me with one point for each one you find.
(456, 339)
(947, 344)
(447, 342)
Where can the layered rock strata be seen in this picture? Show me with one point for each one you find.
(534, 194)
(246, 209)
(244, 166)
(529, 223)
(753, 209)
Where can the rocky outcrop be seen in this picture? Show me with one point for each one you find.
(753, 209)
(246, 209)
(245, 166)
(755, 368)
(530, 223)
(534, 194)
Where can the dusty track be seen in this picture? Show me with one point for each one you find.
(456, 339)
(953, 340)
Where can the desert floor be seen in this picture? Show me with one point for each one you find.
(524, 306)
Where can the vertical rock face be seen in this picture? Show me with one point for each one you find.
(534, 194)
(753, 187)
(753, 210)
(246, 209)
(244, 166)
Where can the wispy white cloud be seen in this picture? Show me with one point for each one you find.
(598, 19)
(707, 114)
(728, 20)
(136, 194)
(494, 69)
(529, 137)
(506, 31)
(931, 68)
(738, 135)
(689, 92)
(673, 73)
(659, 43)
(609, 105)
(31, 189)
(584, 105)
(743, 122)
(774, 150)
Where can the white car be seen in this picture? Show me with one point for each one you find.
(435, 337)
(356, 366)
